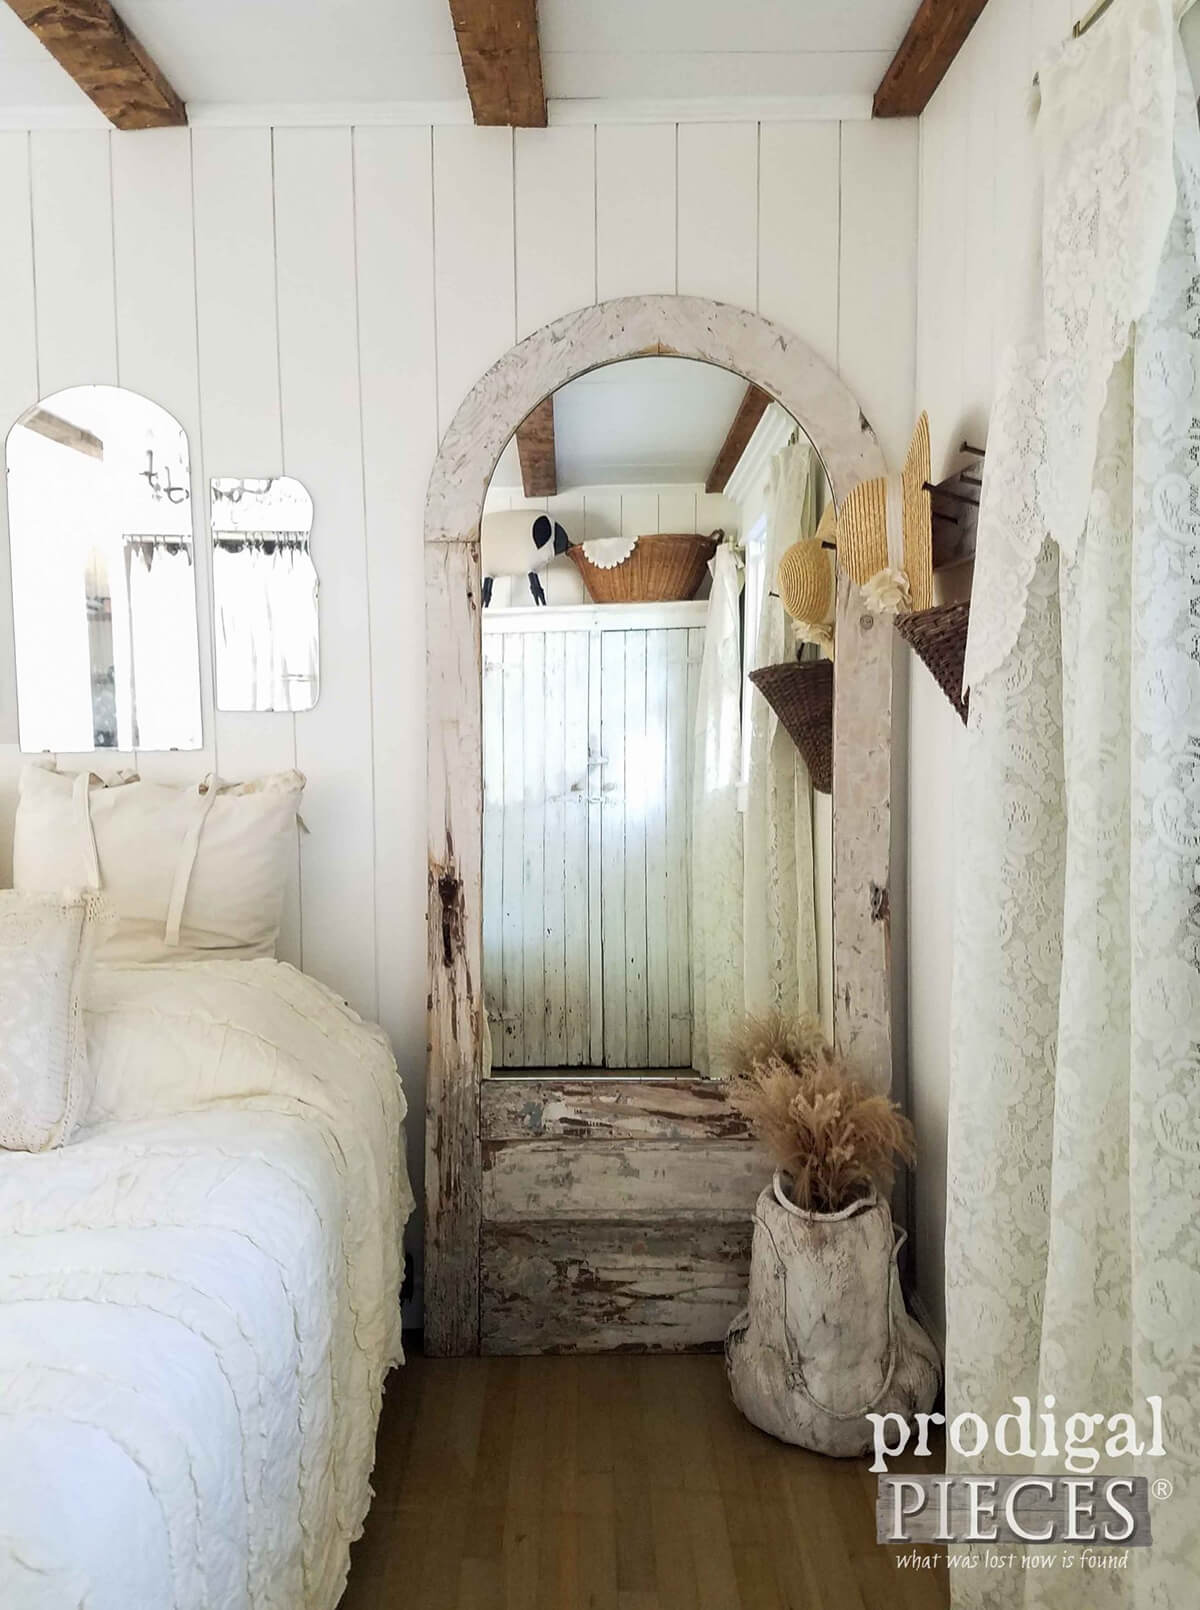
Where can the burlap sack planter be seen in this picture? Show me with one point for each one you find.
(826, 1338)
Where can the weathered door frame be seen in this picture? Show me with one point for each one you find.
(789, 370)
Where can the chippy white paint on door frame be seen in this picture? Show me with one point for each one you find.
(790, 371)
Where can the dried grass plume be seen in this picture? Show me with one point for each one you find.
(836, 1137)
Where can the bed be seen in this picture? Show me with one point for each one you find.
(199, 1300)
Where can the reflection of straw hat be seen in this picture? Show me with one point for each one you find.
(806, 579)
(885, 530)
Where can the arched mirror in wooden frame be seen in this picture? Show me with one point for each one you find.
(473, 1244)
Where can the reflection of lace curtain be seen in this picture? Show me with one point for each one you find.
(266, 619)
(779, 904)
(1073, 1237)
(162, 625)
(717, 1002)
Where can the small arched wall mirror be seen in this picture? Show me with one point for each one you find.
(103, 574)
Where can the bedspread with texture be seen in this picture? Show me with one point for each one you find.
(198, 1301)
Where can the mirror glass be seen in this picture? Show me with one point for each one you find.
(656, 859)
(103, 578)
(264, 595)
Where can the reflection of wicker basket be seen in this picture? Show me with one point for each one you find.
(802, 697)
(939, 637)
(660, 570)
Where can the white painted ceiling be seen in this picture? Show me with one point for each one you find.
(644, 422)
(224, 54)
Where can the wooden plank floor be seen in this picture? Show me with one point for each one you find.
(610, 1482)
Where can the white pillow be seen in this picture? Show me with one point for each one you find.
(190, 872)
(46, 944)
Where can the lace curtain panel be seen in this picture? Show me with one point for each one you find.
(779, 902)
(1073, 1233)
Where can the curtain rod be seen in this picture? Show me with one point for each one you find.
(1084, 23)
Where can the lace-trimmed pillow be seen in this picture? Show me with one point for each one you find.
(46, 944)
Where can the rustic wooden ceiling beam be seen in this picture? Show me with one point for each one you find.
(753, 406)
(535, 449)
(88, 39)
(935, 36)
(63, 432)
(502, 61)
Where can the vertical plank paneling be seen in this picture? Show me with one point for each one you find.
(554, 728)
(73, 253)
(635, 210)
(493, 840)
(612, 771)
(393, 189)
(659, 830)
(533, 863)
(637, 800)
(877, 311)
(677, 510)
(576, 815)
(322, 438)
(639, 514)
(18, 391)
(474, 274)
(512, 1001)
(798, 221)
(237, 343)
(982, 267)
(555, 176)
(73, 266)
(678, 870)
(597, 825)
(718, 212)
(601, 515)
(154, 268)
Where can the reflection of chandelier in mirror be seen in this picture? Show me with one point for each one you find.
(172, 493)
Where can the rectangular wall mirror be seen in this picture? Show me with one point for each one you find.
(103, 575)
(265, 594)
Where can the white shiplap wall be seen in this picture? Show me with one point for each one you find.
(976, 230)
(317, 301)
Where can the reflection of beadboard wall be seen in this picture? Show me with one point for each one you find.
(610, 511)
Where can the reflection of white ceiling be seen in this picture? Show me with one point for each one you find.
(648, 421)
(289, 53)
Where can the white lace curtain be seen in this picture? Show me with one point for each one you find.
(1073, 1238)
(779, 905)
(717, 1002)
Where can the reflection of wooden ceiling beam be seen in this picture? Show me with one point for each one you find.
(753, 406)
(63, 432)
(935, 36)
(502, 62)
(535, 449)
(105, 60)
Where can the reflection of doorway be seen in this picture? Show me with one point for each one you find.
(587, 760)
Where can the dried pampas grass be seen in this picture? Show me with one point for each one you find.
(838, 1139)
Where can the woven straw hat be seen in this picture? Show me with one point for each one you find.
(885, 527)
(806, 576)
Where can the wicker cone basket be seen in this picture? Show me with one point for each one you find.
(802, 697)
(661, 569)
(938, 636)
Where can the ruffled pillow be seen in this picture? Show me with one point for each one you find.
(46, 945)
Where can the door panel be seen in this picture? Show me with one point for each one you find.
(587, 807)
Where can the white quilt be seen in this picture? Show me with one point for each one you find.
(198, 1301)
